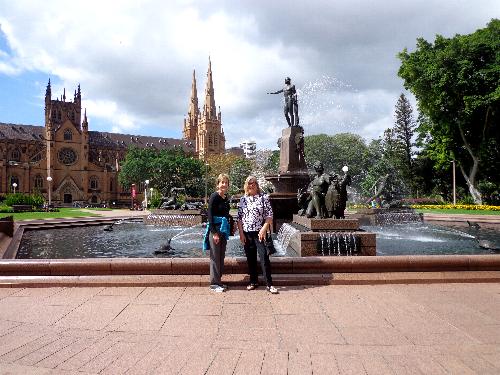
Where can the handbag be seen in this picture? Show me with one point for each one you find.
(268, 240)
(269, 244)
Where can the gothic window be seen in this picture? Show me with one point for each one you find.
(72, 116)
(38, 182)
(111, 185)
(94, 182)
(210, 140)
(37, 157)
(54, 115)
(68, 135)
(59, 115)
(215, 140)
(15, 155)
(67, 156)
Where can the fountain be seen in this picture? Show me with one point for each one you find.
(325, 196)
(292, 175)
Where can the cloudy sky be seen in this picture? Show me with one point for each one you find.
(134, 60)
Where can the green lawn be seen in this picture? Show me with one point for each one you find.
(63, 212)
(452, 211)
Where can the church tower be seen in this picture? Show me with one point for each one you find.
(210, 139)
(191, 122)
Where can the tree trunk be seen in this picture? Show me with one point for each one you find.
(382, 181)
(471, 178)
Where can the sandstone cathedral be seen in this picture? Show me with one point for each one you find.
(83, 165)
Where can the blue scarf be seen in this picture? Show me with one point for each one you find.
(224, 229)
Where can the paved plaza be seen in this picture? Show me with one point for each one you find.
(448, 328)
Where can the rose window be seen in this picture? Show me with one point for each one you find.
(67, 156)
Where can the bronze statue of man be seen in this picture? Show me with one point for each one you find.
(291, 107)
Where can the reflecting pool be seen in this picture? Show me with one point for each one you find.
(132, 239)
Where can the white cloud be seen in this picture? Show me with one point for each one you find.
(134, 60)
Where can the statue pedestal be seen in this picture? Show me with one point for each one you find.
(307, 243)
(291, 154)
(330, 225)
(292, 175)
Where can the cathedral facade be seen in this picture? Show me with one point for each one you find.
(204, 128)
(77, 164)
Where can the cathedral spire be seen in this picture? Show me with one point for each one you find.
(193, 103)
(85, 123)
(209, 109)
(48, 91)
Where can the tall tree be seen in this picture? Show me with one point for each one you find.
(384, 177)
(456, 83)
(404, 129)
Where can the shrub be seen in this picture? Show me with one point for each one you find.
(36, 200)
(6, 209)
(17, 198)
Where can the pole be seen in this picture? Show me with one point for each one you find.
(454, 185)
(146, 194)
(133, 195)
(206, 183)
(49, 180)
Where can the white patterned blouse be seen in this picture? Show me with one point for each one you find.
(253, 211)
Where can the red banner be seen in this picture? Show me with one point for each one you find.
(133, 191)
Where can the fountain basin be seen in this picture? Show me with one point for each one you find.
(237, 265)
(330, 236)
(305, 244)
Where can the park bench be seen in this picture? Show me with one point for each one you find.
(22, 207)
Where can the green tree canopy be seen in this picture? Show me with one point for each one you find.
(456, 83)
(240, 170)
(336, 151)
(164, 169)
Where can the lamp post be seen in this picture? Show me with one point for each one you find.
(454, 186)
(49, 180)
(206, 183)
(133, 195)
(146, 194)
(14, 185)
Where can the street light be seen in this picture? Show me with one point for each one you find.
(454, 186)
(206, 183)
(146, 194)
(14, 185)
(49, 180)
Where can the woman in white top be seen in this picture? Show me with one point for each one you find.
(255, 217)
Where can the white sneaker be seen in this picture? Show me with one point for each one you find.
(217, 288)
(272, 290)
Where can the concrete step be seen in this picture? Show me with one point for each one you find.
(241, 280)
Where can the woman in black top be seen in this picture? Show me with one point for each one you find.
(219, 231)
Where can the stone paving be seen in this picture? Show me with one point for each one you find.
(449, 328)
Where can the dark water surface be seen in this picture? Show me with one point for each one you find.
(134, 239)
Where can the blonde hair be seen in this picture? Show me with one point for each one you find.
(221, 177)
(251, 179)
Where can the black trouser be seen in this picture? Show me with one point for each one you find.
(217, 254)
(252, 246)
